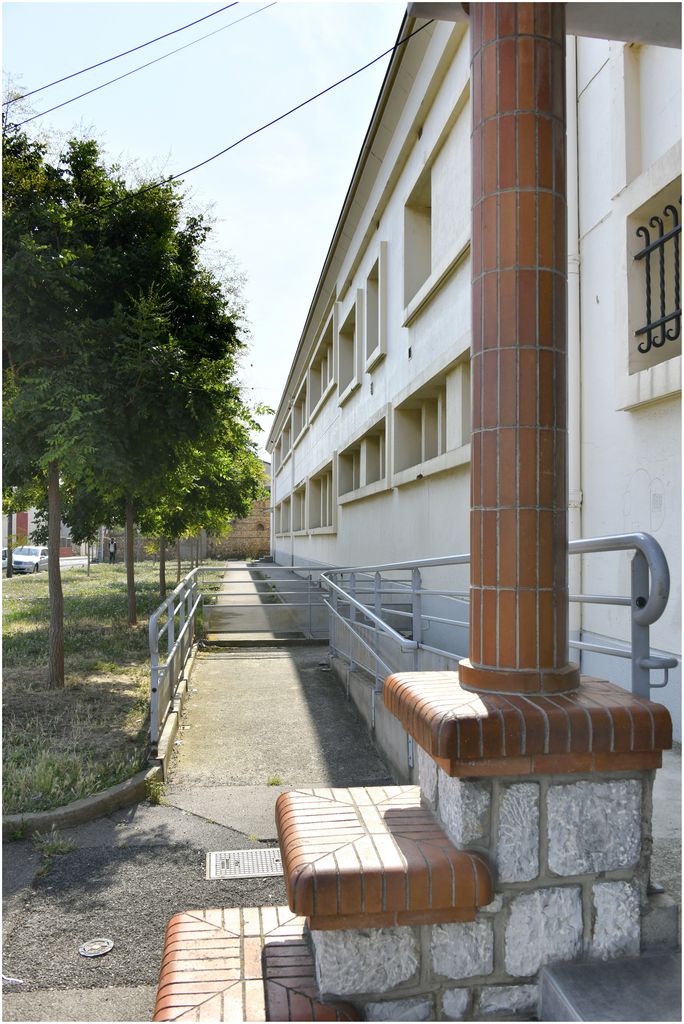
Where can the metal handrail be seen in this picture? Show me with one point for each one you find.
(650, 591)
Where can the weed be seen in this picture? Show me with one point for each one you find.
(18, 832)
(155, 791)
(274, 780)
(52, 843)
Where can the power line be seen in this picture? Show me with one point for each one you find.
(142, 66)
(116, 56)
(269, 124)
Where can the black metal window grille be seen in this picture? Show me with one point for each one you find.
(662, 264)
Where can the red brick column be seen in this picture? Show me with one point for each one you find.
(518, 594)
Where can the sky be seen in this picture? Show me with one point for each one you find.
(276, 198)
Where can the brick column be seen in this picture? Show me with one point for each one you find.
(518, 593)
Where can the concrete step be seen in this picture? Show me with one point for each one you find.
(640, 988)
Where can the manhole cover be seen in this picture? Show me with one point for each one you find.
(244, 863)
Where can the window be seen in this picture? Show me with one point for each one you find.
(320, 499)
(655, 305)
(420, 427)
(283, 445)
(321, 372)
(376, 310)
(348, 348)
(299, 414)
(432, 423)
(418, 236)
(283, 516)
(364, 462)
(299, 510)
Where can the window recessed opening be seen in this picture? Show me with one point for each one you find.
(321, 371)
(375, 308)
(433, 420)
(347, 350)
(321, 499)
(418, 236)
(299, 413)
(364, 462)
(283, 516)
(299, 510)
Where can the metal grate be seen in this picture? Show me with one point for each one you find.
(667, 270)
(244, 863)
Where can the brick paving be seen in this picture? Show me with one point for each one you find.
(252, 964)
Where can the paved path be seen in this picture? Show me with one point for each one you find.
(251, 715)
(265, 602)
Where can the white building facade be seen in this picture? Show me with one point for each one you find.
(371, 440)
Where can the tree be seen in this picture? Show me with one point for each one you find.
(119, 349)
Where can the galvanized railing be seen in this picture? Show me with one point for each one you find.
(364, 602)
(174, 625)
(283, 601)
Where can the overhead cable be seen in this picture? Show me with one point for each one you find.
(142, 66)
(116, 56)
(269, 124)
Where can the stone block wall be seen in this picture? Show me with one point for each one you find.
(570, 855)
(248, 538)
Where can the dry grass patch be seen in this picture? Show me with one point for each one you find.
(61, 745)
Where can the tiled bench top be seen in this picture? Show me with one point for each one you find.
(356, 858)
(212, 969)
(598, 727)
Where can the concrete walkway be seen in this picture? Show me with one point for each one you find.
(252, 715)
(264, 602)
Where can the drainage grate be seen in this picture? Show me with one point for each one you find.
(244, 863)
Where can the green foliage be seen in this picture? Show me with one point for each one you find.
(155, 791)
(120, 351)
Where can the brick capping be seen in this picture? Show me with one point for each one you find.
(248, 964)
(374, 858)
(598, 727)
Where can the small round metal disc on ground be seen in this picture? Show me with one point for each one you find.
(96, 947)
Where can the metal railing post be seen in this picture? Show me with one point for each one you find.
(308, 604)
(170, 641)
(377, 608)
(352, 618)
(417, 611)
(181, 623)
(154, 681)
(640, 633)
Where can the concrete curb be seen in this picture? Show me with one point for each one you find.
(131, 791)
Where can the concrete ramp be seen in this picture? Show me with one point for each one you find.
(266, 602)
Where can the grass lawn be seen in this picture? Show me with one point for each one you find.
(60, 745)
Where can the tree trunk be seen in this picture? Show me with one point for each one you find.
(162, 567)
(178, 560)
(88, 556)
(130, 561)
(10, 538)
(56, 599)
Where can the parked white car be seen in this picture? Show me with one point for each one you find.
(29, 559)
